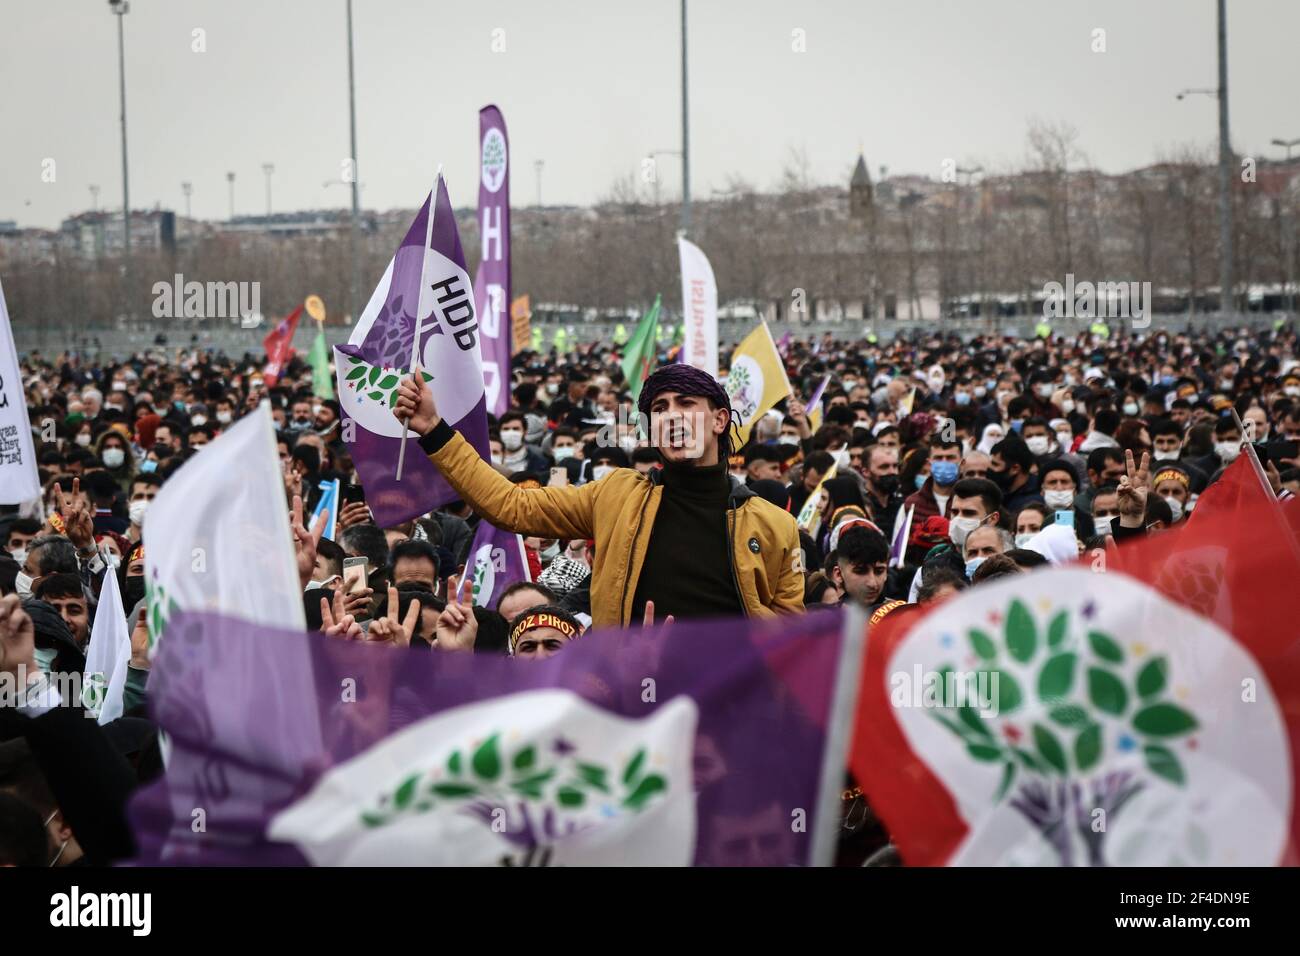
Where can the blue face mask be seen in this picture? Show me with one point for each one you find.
(1017, 424)
(147, 466)
(944, 472)
(1166, 380)
(962, 398)
(972, 565)
(920, 482)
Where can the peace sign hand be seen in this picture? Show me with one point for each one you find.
(389, 628)
(1133, 489)
(335, 623)
(76, 517)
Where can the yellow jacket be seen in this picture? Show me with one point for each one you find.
(618, 512)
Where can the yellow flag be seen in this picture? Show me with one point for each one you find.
(756, 380)
(520, 321)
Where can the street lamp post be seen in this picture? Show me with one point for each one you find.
(686, 136)
(94, 197)
(268, 169)
(653, 156)
(187, 188)
(1288, 224)
(120, 8)
(537, 165)
(230, 179)
(968, 172)
(355, 285)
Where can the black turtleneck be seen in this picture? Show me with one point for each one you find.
(687, 568)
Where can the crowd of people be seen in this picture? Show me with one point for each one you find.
(929, 466)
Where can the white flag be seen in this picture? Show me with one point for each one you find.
(699, 309)
(217, 536)
(18, 479)
(107, 655)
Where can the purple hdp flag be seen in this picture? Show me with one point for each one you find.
(378, 353)
(708, 743)
(496, 561)
(492, 288)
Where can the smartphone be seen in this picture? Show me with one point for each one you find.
(1066, 518)
(353, 493)
(354, 575)
(559, 476)
(1278, 450)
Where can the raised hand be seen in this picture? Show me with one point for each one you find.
(335, 623)
(648, 618)
(305, 541)
(414, 404)
(457, 628)
(389, 628)
(352, 513)
(76, 516)
(292, 481)
(140, 640)
(1133, 489)
(17, 637)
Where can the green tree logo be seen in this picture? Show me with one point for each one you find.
(1051, 768)
(375, 383)
(533, 795)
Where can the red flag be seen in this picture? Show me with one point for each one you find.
(1187, 642)
(279, 347)
(1242, 484)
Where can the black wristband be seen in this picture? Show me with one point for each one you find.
(436, 437)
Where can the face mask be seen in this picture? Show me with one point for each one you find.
(920, 482)
(600, 471)
(1067, 405)
(887, 483)
(627, 443)
(1065, 439)
(962, 398)
(1044, 391)
(980, 391)
(113, 457)
(1175, 506)
(1166, 456)
(1038, 444)
(1102, 525)
(1225, 384)
(550, 554)
(563, 454)
(959, 528)
(1024, 538)
(1292, 390)
(552, 389)
(225, 417)
(198, 420)
(850, 384)
(45, 657)
(1130, 409)
(972, 565)
(841, 458)
(1166, 380)
(119, 386)
(1227, 451)
(1070, 381)
(1059, 500)
(19, 556)
(512, 439)
(136, 510)
(944, 472)
(148, 466)
(496, 460)
(1003, 397)
(82, 439)
(134, 591)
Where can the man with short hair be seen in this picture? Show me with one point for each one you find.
(975, 465)
(1012, 469)
(414, 562)
(62, 591)
(522, 595)
(144, 488)
(762, 462)
(883, 496)
(542, 631)
(933, 497)
(861, 566)
(975, 502)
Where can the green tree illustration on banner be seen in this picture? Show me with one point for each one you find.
(1052, 768)
(530, 796)
(374, 382)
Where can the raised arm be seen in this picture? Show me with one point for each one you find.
(560, 512)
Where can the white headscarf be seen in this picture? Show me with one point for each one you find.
(991, 436)
(1056, 543)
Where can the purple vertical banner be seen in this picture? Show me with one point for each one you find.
(492, 285)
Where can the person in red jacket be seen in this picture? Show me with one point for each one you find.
(932, 498)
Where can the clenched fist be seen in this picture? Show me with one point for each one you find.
(414, 405)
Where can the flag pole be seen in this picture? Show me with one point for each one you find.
(419, 311)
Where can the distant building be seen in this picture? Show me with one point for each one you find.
(861, 200)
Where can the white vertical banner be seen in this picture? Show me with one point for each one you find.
(699, 309)
(107, 655)
(19, 481)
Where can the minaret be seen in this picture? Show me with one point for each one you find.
(860, 193)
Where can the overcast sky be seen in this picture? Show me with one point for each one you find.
(591, 86)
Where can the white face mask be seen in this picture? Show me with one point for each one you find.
(1024, 538)
(600, 471)
(627, 443)
(841, 458)
(1059, 500)
(1130, 409)
(23, 584)
(1067, 405)
(960, 528)
(1102, 525)
(1166, 455)
(1038, 444)
(563, 454)
(1292, 390)
(551, 553)
(1227, 450)
(1044, 390)
(1175, 506)
(1065, 439)
(225, 417)
(19, 555)
(136, 510)
(512, 439)
(82, 439)
(496, 460)
(113, 457)
(197, 420)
